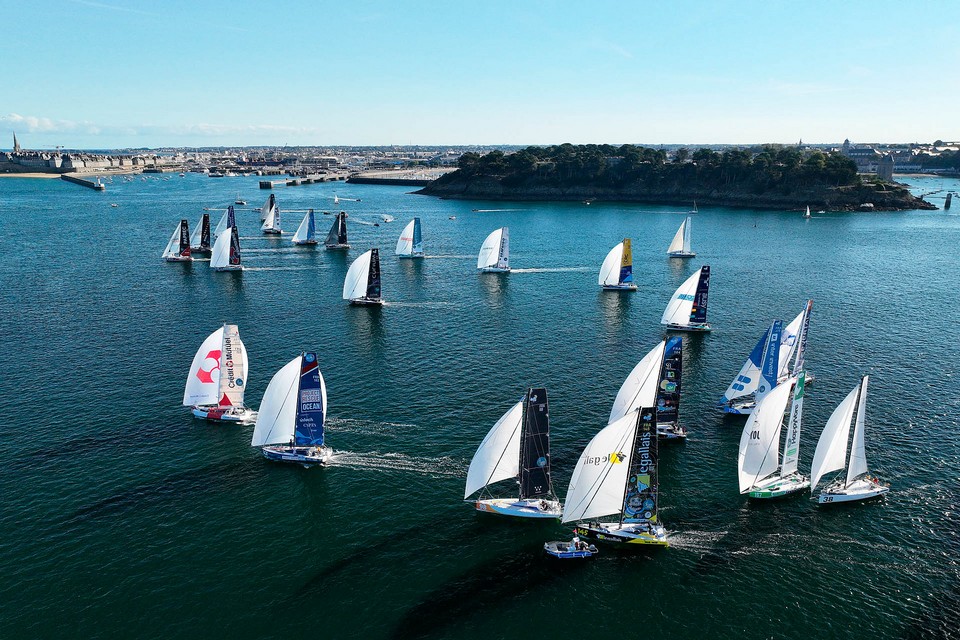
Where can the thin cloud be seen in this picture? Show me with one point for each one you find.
(43, 125)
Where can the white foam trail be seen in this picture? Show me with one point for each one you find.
(422, 305)
(457, 257)
(279, 268)
(444, 466)
(552, 270)
(491, 210)
(697, 541)
(274, 250)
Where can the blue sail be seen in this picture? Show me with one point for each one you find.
(308, 428)
(311, 227)
(770, 365)
(756, 356)
(417, 238)
(232, 217)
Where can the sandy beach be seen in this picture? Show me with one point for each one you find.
(29, 175)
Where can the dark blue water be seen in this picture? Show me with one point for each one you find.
(122, 516)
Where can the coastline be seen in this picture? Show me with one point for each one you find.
(30, 175)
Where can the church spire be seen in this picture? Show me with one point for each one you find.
(16, 145)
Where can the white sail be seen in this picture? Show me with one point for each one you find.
(173, 247)
(233, 368)
(680, 305)
(197, 233)
(405, 243)
(220, 256)
(640, 387)
(498, 456)
(355, 284)
(221, 226)
(791, 444)
(789, 342)
(687, 229)
(677, 243)
(831, 450)
(610, 269)
(203, 380)
(272, 221)
(278, 409)
(266, 208)
(303, 231)
(759, 454)
(495, 250)
(858, 453)
(598, 481)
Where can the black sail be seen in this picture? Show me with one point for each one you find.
(184, 238)
(334, 232)
(205, 232)
(373, 276)
(641, 492)
(535, 447)
(698, 313)
(668, 389)
(342, 228)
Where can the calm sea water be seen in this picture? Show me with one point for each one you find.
(124, 517)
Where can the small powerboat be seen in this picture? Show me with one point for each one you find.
(574, 549)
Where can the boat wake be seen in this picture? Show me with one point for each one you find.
(494, 210)
(273, 250)
(367, 427)
(422, 305)
(697, 541)
(279, 268)
(449, 257)
(444, 466)
(552, 270)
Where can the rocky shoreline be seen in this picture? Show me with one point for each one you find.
(866, 196)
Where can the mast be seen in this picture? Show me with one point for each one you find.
(535, 479)
(503, 259)
(640, 490)
(798, 361)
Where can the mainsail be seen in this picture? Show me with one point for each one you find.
(769, 363)
(680, 245)
(640, 493)
(200, 238)
(831, 452)
(858, 454)
(689, 303)
(410, 242)
(617, 267)
(791, 445)
(311, 403)
(269, 205)
(668, 386)
(760, 441)
(535, 447)
(233, 368)
(293, 406)
(373, 276)
(338, 231)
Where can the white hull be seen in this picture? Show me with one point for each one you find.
(530, 508)
(689, 327)
(307, 456)
(302, 242)
(862, 489)
(240, 415)
(681, 254)
(780, 487)
(494, 270)
(179, 259)
(236, 267)
(625, 534)
(619, 287)
(367, 302)
(337, 247)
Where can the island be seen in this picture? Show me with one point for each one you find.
(765, 177)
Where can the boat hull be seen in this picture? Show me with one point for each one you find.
(272, 232)
(618, 287)
(531, 508)
(179, 259)
(626, 535)
(303, 242)
(565, 550)
(336, 247)
(863, 489)
(681, 254)
(494, 270)
(306, 456)
(220, 414)
(229, 268)
(699, 328)
(199, 251)
(410, 256)
(366, 302)
(781, 487)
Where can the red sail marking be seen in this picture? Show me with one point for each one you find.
(206, 375)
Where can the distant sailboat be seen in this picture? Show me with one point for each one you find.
(518, 446)
(739, 396)
(680, 246)
(178, 248)
(290, 422)
(307, 231)
(831, 453)
(239, 200)
(807, 214)
(758, 460)
(200, 239)
(337, 238)
(616, 475)
(217, 378)
(694, 210)
(410, 244)
(271, 224)
(687, 309)
(616, 272)
(268, 206)
(226, 252)
(655, 381)
(362, 284)
(494, 256)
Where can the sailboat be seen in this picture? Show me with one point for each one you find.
(271, 224)
(680, 246)
(739, 396)
(655, 381)
(292, 413)
(694, 210)
(687, 309)
(761, 473)
(831, 453)
(268, 206)
(217, 378)
(239, 200)
(226, 252)
(616, 475)
(362, 284)
(807, 214)
(410, 244)
(494, 256)
(200, 238)
(518, 446)
(178, 248)
(337, 238)
(616, 272)
(307, 231)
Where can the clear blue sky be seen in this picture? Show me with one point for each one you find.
(117, 73)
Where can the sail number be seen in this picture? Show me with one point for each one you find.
(754, 435)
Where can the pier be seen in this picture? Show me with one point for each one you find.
(90, 184)
(297, 181)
